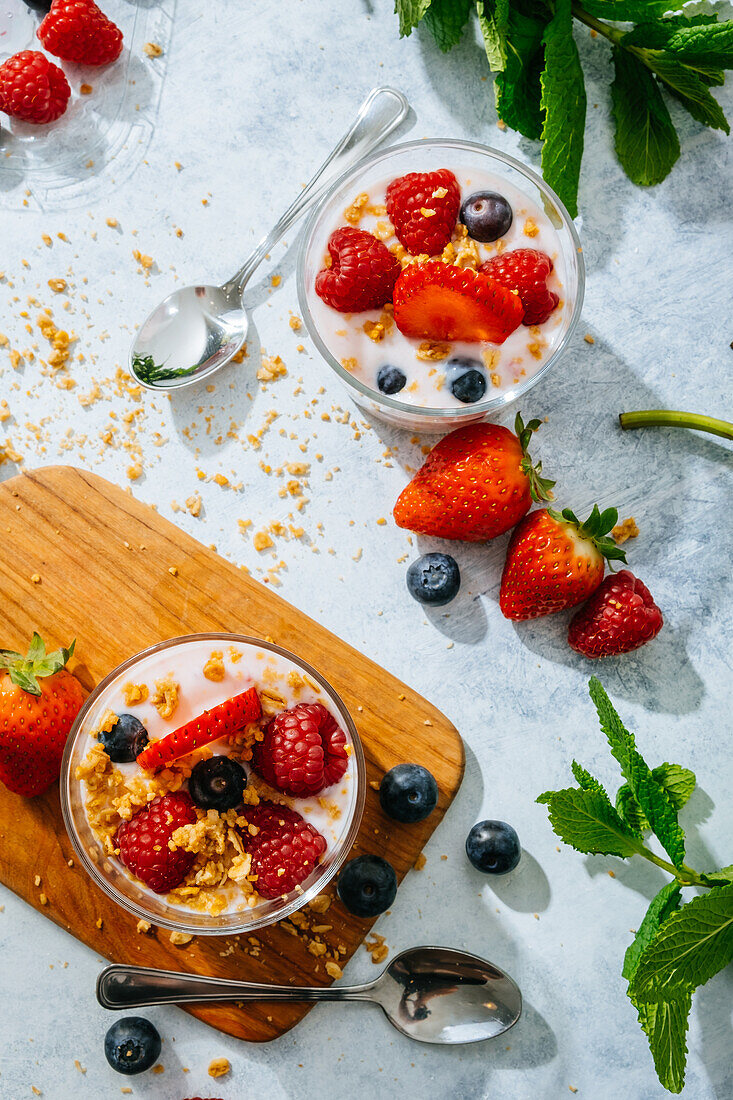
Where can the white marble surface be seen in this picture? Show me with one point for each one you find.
(254, 96)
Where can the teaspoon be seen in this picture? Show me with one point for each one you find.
(432, 994)
(196, 330)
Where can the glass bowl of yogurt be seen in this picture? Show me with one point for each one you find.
(358, 346)
(163, 688)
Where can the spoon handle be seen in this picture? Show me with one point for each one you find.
(382, 111)
(120, 987)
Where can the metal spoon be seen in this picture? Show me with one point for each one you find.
(198, 329)
(432, 994)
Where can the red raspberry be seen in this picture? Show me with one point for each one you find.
(285, 849)
(407, 200)
(362, 274)
(33, 88)
(143, 842)
(525, 270)
(303, 750)
(620, 616)
(76, 30)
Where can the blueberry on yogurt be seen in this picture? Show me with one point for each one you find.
(391, 379)
(466, 379)
(486, 215)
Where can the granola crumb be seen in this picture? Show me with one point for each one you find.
(295, 322)
(57, 285)
(334, 970)
(320, 903)
(214, 669)
(165, 699)
(180, 939)
(143, 927)
(531, 229)
(353, 213)
(35, 578)
(433, 351)
(158, 1069)
(589, 339)
(152, 49)
(627, 529)
(420, 862)
(219, 1067)
(112, 223)
(85, 89)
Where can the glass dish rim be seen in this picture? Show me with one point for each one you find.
(181, 925)
(493, 404)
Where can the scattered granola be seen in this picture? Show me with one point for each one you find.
(625, 530)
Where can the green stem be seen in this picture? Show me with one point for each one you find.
(611, 33)
(664, 418)
(684, 874)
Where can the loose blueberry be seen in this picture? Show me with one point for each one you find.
(493, 847)
(38, 5)
(132, 1045)
(126, 740)
(391, 379)
(217, 784)
(408, 792)
(466, 378)
(367, 885)
(434, 579)
(486, 215)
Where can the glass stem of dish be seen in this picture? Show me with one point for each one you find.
(380, 113)
(668, 418)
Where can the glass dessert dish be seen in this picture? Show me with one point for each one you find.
(359, 346)
(165, 687)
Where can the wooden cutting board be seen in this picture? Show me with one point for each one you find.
(104, 564)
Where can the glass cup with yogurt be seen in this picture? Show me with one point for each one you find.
(165, 687)
(358, 346)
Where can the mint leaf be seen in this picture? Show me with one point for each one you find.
(492, 16)
(686, 86)
(628, 11)
(586, 780)
(646, 141)
(709, 42)
(660, 907)
(725, 874)
(676, 781)
(518, 88)
(410, 12)
(694, 944)
(563, 102)
(445, 19)
(666, 1025)
(587, 821)
(653, 801)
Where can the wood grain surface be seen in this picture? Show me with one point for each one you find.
(103, 560)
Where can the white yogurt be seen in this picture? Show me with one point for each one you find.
(506, 365)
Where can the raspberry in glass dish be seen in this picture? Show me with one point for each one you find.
(216, 781)
(488, 289)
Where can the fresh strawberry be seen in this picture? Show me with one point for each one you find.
(284, 849)
(554, 561)
(424, 207)
(526, 271)
(143, 842)
(226, 718)
(303, 751)
(438, 301)
(33, 88)
(76, 30)
(620, 616)
(39, 700)
(362, 273)
(474, 485)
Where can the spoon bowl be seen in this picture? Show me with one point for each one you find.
(430, 994)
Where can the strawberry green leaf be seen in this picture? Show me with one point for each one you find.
(646, 141)
(563, 102)
(410, 12)
(651, 797)
(9, 657)
(710, 42)
(25, 671)
(686, 86)
(517, 88)
(492, 16)
(37, 648)
(445, 19)
(692, 946)
(586, 820)
(676, 781)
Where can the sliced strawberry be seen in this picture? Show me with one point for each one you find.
(221, 721)
(438, 301)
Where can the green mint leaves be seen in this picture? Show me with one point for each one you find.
(677, 946)
(539, 85)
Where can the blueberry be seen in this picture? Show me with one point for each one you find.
(132, 1045)
(486, 215)
(217, 784)
(367, 885)
(126, 740)
(408, 793)
(434, 579)
(391, 379)
(466, 378)
(493, 847)
(38, 5)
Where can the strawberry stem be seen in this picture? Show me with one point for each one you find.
(667, 418)
(595, 529)
(540, 487)
(25, 671)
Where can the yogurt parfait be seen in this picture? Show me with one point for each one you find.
(440, 280)
(214, 782)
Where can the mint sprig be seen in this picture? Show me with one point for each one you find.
(539, 85)
(677, 947)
